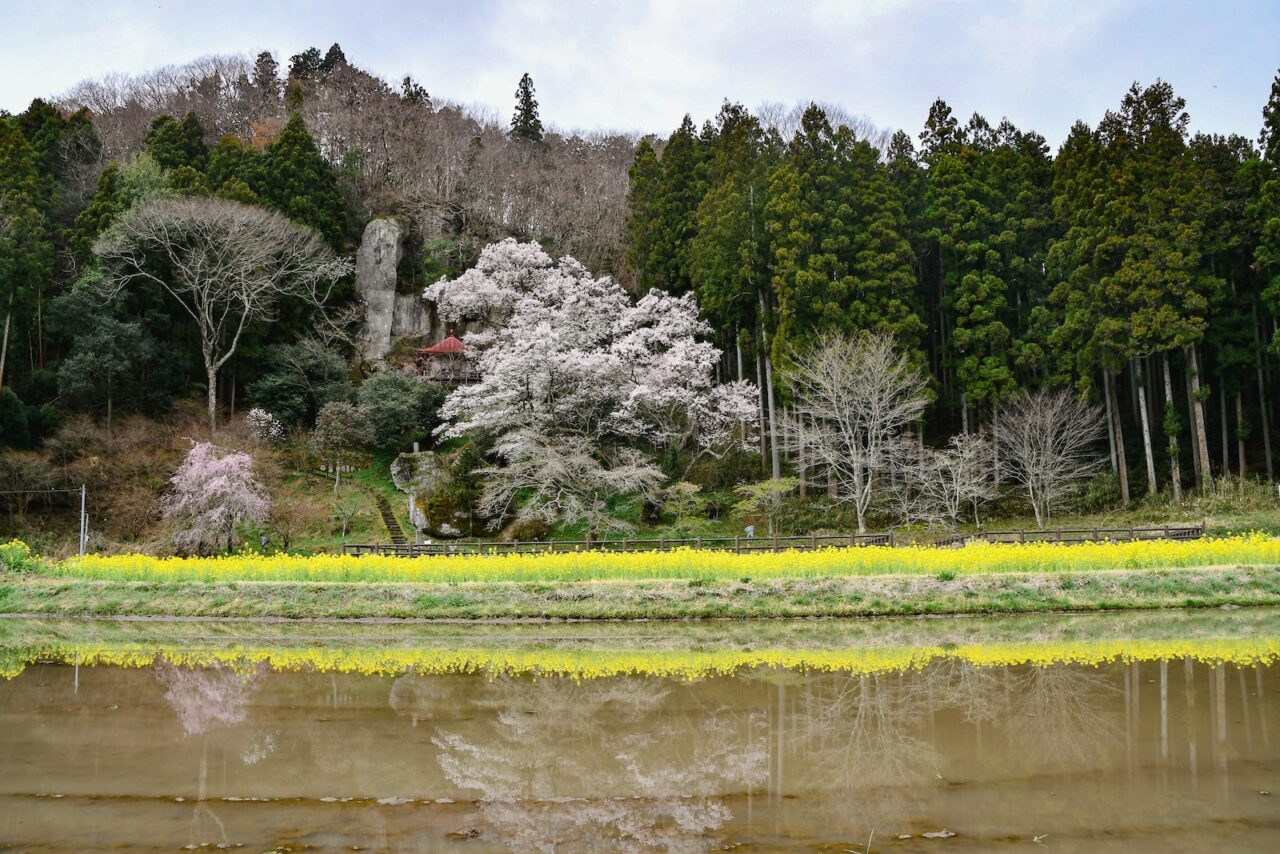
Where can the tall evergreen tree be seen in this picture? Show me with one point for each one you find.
(176, 143)
(525, 123)
(840, 258)
(26, 245)
(301, 183)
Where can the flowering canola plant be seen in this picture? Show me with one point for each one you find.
(690, 664)
(684, 564)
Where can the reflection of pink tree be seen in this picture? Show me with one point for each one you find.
(204, 698)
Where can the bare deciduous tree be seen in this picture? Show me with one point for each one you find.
(854, 396)
(1048, 440)
(227, 265)
(937, 486)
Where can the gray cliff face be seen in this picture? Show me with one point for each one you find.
(387, 314)
(381, 248)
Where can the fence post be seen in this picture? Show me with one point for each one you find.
(697, 543)
(1022, 536)
(662, 544)
(737, 545)
(891, 539)
(775, 542)
(813, 542)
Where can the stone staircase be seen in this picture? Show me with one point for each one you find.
(389, 519)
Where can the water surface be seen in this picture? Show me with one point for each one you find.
(1153, 732)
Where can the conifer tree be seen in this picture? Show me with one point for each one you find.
(233, 161)
(645, 176)
(333, 58)
(840, 258)
(26, 246)
(176, 143)
(525, 123)
(301, 184)
(673, 205)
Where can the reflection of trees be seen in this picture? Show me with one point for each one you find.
(1060, 712)
(423, 697)
(205, 698)
(860, 757)
(570, 766)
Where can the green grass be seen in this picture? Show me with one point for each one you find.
(850, 596)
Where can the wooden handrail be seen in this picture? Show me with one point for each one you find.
(739, 544)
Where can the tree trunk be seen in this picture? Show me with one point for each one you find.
(1197, 413)
(764, 421)
(1175, 472)
(1240, 436)
(4, 347)
(1122, 463)
(737, 346)
(995, 446)
(802, 461)
(1191, 421)
(1225, 470)
(212, 373)
(1111, 430)
(1141, 382)
(1262, 396)
(775, 459)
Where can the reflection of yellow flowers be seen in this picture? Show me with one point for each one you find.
(975, 558)
(581, 663)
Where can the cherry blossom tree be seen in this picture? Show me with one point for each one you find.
(214, 491)
(580, 384)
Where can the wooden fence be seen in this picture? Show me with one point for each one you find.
(739, 545)
(1079, 535)
(746, 545)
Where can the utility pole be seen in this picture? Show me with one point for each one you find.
(84, 523)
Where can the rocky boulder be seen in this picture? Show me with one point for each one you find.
(381, 249)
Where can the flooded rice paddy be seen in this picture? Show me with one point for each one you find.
(1133, 732)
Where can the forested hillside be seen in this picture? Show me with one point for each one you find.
(1138, 266)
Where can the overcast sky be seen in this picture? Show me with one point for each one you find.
(639, 65)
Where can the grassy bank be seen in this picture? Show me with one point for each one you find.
(829, 596)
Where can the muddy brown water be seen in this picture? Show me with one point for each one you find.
(1153, 755)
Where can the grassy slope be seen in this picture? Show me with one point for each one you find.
(829, 597)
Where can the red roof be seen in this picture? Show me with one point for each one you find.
(452, 344)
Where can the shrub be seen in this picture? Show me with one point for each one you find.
(16, 556)
(401, 407)
(302, 379)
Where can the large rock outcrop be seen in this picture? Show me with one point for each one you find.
(381, 248)
(388, 314)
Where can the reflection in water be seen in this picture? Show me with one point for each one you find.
(561, 766)
(203, 699)
(1127, 756)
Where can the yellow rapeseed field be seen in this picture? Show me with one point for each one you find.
(684, 564)
(690, 664)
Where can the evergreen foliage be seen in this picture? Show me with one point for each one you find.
(525, 123)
